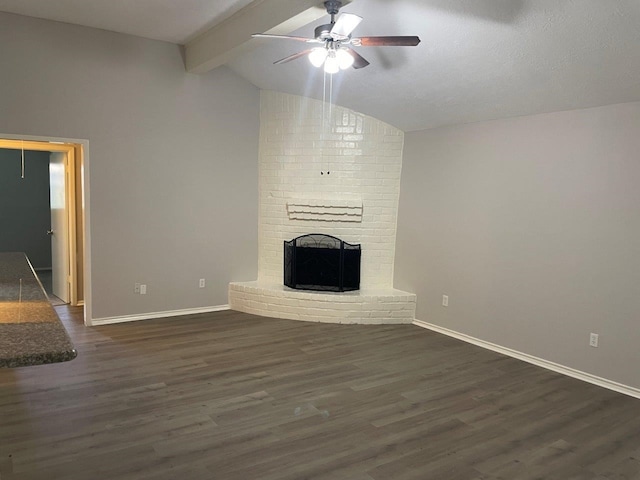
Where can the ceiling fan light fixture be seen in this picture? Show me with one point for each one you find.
(331, 64)
(345, 59)
(317, 56)
(335, 54)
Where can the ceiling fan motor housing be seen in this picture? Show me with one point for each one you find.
(323, 32)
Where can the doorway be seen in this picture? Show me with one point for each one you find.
(66, 226)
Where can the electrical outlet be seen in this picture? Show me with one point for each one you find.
(136, 288)
(143, 289)
(593, 339)
(202, 282)
(445, 300)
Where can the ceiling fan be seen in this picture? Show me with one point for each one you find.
(335, 37)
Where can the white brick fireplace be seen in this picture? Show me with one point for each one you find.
(335, 174)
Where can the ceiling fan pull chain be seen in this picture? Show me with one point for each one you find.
(330, 114)
(323, 140)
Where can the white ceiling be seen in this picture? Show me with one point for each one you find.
(478, 60)
(175, 21)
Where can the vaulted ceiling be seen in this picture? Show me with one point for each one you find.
(478, 60)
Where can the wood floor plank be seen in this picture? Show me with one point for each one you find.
(229, 396)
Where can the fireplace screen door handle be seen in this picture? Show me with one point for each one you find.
(49, 232)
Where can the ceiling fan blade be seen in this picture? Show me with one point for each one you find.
(285, 37)
(410, 41)
(292, 57)
(346, 23)
(358, 60)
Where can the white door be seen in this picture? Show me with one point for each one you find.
(59, 225)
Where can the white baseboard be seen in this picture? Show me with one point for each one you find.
(152, 315)
(556, 367)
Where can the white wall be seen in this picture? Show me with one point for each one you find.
(173, 158)
(350, 162)
(531, 225)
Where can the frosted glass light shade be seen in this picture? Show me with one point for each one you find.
(331, 64)
(345, 60)
(317, 56)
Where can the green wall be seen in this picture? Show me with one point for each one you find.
(24, 206)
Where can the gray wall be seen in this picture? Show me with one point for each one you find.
(531, 225)
(173, 158)
(25, 215)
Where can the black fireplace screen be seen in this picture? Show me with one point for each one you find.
(321, 262)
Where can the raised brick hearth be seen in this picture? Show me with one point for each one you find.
(361, 306)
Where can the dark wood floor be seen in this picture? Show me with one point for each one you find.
(233, 396)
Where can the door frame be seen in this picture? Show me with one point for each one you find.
(63, 286)
(72, 148)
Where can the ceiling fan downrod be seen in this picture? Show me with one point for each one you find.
(323, 32)
(332, 6)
